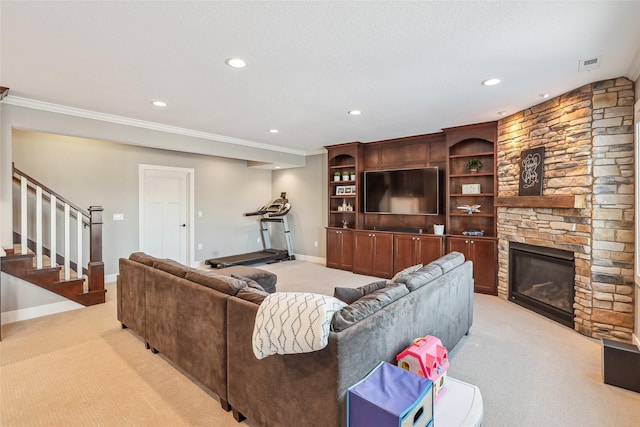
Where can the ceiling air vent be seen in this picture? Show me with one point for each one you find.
(589, 64)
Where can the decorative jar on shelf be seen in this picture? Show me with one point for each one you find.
(345, 176)
(353, 175)
(336, 176)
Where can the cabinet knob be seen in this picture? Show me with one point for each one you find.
(472, 242)
(466, 241)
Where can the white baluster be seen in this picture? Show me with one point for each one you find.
(79, 223)
(52, 244)
(38, 227)
(67, 239)
(23, 215)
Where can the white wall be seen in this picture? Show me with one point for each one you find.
(92, 172)
(307, 192)
(98, 165)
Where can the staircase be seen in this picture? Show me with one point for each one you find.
(31, 261)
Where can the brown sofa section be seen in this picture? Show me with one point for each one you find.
(181, 312)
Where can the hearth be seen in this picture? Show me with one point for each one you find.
(542, 279)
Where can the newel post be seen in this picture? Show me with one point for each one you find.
(96, 266)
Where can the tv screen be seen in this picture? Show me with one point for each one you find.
(402, 191)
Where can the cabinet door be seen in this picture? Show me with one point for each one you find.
(339, 249)
(362, 252)
(428, 248)
(382, 255)
(458, 244)
(334, 248)
(404, 251)
(484, 256)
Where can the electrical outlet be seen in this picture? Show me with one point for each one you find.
(199, 214)
(199, 245)
(315, 244)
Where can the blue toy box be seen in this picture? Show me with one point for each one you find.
(390, 396)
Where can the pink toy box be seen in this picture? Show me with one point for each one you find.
(428, 358)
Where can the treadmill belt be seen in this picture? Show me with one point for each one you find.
(248, 258)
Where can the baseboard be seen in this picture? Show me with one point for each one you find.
(110, 278)
(39, 311)
(313, 259)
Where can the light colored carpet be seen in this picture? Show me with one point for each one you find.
(80, 369)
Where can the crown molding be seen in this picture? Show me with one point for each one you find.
(110, 118)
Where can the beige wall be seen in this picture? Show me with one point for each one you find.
(307, 192)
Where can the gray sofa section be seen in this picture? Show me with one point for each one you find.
(310, 389)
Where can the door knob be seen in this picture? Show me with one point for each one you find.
(183, 225)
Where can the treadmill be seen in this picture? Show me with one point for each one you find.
(274, 212)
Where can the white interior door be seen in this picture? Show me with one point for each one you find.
(165, 212)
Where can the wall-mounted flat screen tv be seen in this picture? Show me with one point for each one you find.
(402, 191)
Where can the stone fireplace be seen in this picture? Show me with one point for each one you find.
(542, 279)
(587, 206)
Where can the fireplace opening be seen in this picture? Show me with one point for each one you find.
(542, 279)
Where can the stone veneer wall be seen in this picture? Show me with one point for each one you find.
(588, 139)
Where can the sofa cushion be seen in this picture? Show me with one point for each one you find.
(350, 295)
(421, 277)
(408, 270)
(449, 261)
(172, 267)
(265, 278)
(253, 295)
(143, 258)
(225, 284)
(367, 305)
(250, 283)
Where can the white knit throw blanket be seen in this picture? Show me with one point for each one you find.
(293, 322)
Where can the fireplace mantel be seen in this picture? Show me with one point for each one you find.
(565, 201)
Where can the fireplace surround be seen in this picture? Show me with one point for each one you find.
(542, 279)
(589, 144)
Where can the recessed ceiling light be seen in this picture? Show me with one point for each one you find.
(355, 112)
(159, 103)
(273, 131)
(544, 95)
(502, 113)
(491, 82)
(276, 167)
(235, 63)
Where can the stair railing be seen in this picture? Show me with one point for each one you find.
(91, 220)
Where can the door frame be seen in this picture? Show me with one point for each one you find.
(190, 174)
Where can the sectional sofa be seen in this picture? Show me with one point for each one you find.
(210, 336)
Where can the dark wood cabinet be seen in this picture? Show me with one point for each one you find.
(373, 253)
(484, 254)
(340, 248)
(382, 244)
(412, 249)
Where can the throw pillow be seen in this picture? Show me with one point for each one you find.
(250, 283)
(367, 305)
(252, 295)
(172, 267)
(293, 322)
(421, 277)
(449, 261)
(225, 284)
(349, 295)
(404, 272)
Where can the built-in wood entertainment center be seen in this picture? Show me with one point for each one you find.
(383, 244)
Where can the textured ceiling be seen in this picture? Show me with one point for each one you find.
(411, 67)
